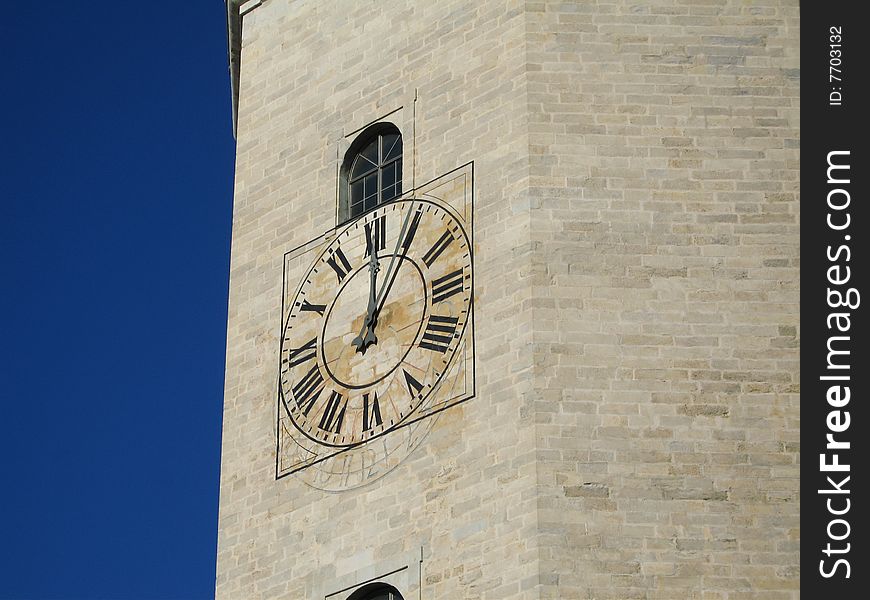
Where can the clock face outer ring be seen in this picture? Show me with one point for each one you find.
(428, 387)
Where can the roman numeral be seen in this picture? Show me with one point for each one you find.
(376, 234)
(318, 308)
(300, 355)
(308, 389)
(412, 230)
(439, 333)
(414, 386)
(340, 269)
(435, 251)
(444, 287)
(333, 414)
(371, 414)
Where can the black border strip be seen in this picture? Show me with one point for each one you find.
(833, 100)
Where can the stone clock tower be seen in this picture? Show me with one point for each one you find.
(513, 301)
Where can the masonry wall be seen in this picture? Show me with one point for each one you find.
(313, 72)
(664, 147)
(635, 430)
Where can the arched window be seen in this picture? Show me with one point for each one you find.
(376, 591)
(372, 170)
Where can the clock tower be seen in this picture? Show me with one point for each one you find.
(513, 301)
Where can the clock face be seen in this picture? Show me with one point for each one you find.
(375, 324)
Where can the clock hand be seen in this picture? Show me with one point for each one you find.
(361, 342)
(394, 265)
(366, 335)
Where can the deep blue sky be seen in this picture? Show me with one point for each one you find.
(115, 214)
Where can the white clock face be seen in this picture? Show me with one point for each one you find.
(376, 323)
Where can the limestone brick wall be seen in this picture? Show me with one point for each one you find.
(664, 148)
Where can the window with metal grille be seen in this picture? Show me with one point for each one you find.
(372, 170)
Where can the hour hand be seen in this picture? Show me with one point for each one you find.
(367, 335)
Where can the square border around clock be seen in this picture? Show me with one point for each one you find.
(454, 189)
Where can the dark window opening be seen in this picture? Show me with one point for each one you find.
(376, 591)
(372, 171)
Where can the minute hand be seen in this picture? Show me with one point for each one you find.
(395, 261)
